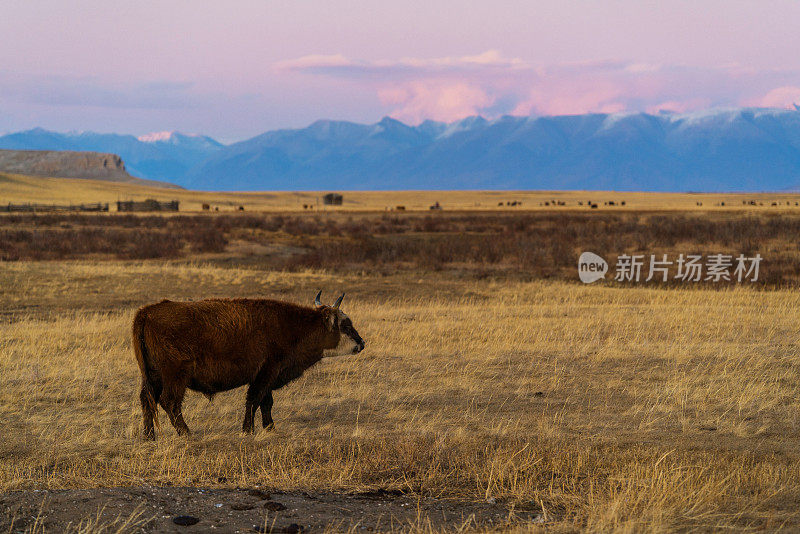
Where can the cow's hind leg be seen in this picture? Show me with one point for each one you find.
(149, 396)
(256, 392)
(266, 411)
(171, 401)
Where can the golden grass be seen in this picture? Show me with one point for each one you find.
(20, 189)
(614, 409)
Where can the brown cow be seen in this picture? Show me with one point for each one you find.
(220, 344)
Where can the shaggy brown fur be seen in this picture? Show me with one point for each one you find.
(216, 345)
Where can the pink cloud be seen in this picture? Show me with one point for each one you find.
(416, 101)
(490, 84)
(782, 97)
(554, 99)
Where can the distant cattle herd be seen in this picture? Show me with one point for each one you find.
(150, 205)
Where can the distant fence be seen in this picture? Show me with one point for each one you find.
(147, 205)
(332, 199)
(124, 205)
(52, 207)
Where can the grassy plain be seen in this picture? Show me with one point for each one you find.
(603, 408)
(639, 408)
(20, 189)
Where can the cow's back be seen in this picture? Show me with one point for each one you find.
(219, 343)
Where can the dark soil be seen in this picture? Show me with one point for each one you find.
(175, 509)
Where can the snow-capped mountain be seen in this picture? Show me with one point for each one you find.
(717, 150)
(156, 137)
(187, 141)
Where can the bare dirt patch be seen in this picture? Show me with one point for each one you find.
(181, 509)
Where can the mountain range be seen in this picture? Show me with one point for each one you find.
(746, 149)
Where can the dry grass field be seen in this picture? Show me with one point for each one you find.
(20, 189)
(492, 396)
(597, 408)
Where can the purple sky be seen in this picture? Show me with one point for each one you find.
(237, 68)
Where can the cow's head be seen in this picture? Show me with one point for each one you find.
(343, 338)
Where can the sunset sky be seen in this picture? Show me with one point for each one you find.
(235, 69)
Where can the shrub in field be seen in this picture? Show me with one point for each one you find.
(150, 245)
(206, 239)
(532, 244)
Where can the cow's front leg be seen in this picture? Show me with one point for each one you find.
(256, 392)
(266, 411)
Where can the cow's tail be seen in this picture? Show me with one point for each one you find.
(151, 381)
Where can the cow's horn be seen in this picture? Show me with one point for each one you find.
(316, 299)
(338, 301)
